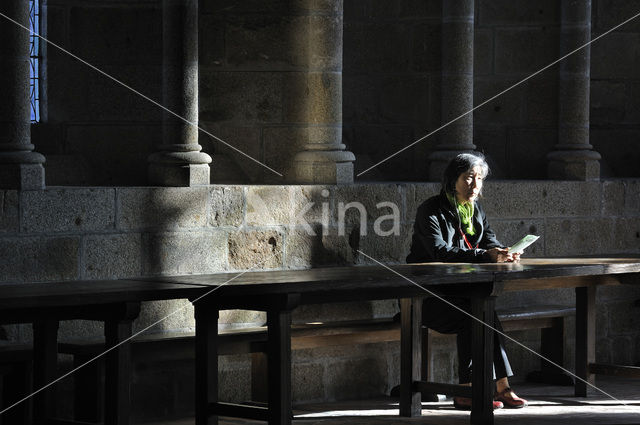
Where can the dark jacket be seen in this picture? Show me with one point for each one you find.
(437, 234)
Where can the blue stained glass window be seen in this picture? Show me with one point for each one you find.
(34, 69)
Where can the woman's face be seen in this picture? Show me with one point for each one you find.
(469, 184)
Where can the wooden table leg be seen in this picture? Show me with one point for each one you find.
(45, 363)
(279, 361)
(585, 337)
(117, 375)
(482, 360)
(206, 378)
(410, 356)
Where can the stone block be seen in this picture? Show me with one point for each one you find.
(506, 109)
(240, 318)
(97, 98)
(304, 250)
(359, 310)
(519, 199)
(74, 331)
(519, 12)
(364, 204)
(226, 206)
(289, 205)
(238, 157)
(357, 378)
(9, 212)
(511, 231)
(240, 96)
(618, 147)
(385, 248)
(609, 61)
(234, 378)
(184, 252)
(68, 210)
(404, 99)
(609, 13)
(255, 249)
(483, 52)
(566, 237)
(632, 106)
(612, 198)
(522, 50)
(426, 45)
(422, 192)
(491, 140)
(622, 350)
(139, 27)
(307, 382)
(211, 43)
(165, 316)
(281, 144)
(385, 44)
(313, 98)
(162, 208)
(261, 41)
(526, 152)
(180, 175)
(375, 143)
(632, 197)
(39, 259)
(541, 101)
(608, 102)
(112, 256)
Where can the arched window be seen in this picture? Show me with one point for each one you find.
(34, 71)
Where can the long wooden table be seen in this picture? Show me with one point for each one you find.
(280, 292)
(114, 302)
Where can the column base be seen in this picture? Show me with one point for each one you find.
(580, 165)
(22, 176)
(323, 167)
(185, 175)
(439, 160)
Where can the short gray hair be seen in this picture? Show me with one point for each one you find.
(462, 163)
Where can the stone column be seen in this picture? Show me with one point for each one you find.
(179, 161)
(457, 84)
(20, 167)
(573, 158)
(316, 95)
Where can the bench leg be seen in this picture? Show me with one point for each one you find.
(482, 360)
(117, 373)
(45, 363)
(279, 361)
(206, 379)
(585, 337)
(410, 356)
(88, 389)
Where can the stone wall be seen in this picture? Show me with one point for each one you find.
(71, 233)
(96, 132)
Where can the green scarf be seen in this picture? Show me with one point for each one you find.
(465, 212)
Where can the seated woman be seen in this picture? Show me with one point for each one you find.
(452, 227)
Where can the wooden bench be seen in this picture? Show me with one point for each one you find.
(175, 346)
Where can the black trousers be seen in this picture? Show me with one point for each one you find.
(443, 318)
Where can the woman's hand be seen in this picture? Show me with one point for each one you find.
(501, 255)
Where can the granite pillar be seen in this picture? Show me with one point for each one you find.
(20, 167)
(573, 158)
(457, 85)
(178, 160)
(315, 96)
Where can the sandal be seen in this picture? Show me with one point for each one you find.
(510, 399)
(464, 403)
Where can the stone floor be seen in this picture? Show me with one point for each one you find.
(548, 405)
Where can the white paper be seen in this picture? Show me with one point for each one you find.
(519, 247)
